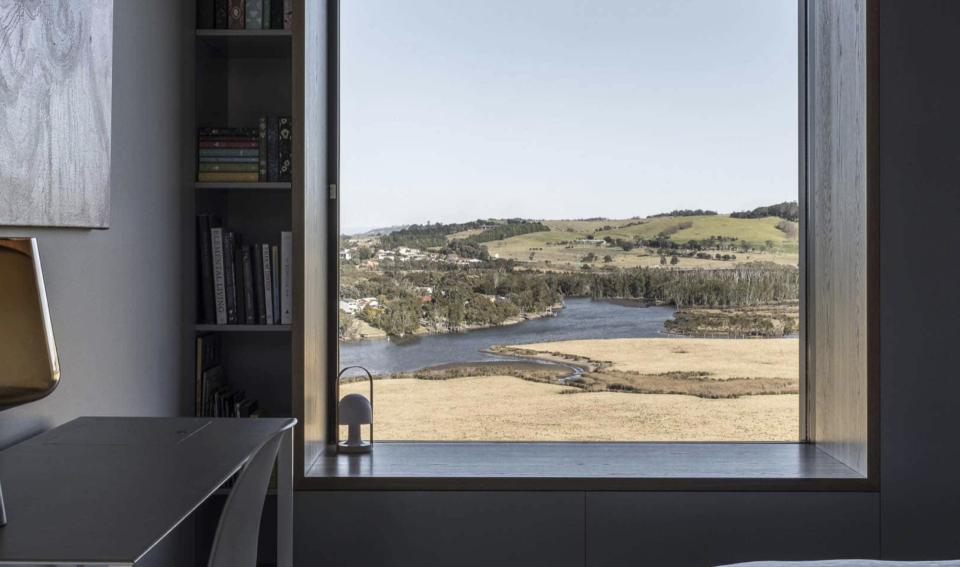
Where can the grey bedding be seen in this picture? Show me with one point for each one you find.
(849, 563)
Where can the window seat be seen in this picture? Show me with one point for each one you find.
(584, 467)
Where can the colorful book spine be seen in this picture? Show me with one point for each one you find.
(276, 14)
(287, 14)
(230, 152)
(256, 253)
(249, 292)
(273, 149)
(253, 160)
(228, 131)
(275, 280)
(254, 12)
(239, 290)
(221, 176)
(231, 167)
(229, 278)
(233, 145)
(220, 14)
(219, 282)
(237, 19)
(209, 311)
(285, 148)
(286, 278)
(267, 283)
(263, 148)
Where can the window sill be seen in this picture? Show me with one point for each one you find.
(585, 467)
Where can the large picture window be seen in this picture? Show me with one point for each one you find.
(572, 221)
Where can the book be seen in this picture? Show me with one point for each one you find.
(231, 167)
(229, 138)
(273, 149)
(263, 148)
(220, 14)
(265, 16)
(256, 254)
(240, 292)
(253, 160)
(237, 19)
(205, 15)
(254, 12)
(229, 279)
(215, 176)
(234, 145)
(208, 308)
(229, 152)
(230, 131)
(249, 293)
(267, 283)
(212, 382)
(208, 356)
(276, 14)
(219, 282)
(275, 281)
(285, 148)
(286, 278)
(287, 14)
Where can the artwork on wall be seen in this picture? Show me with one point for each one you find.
(56, 76)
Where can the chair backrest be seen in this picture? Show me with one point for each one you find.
(235, 544)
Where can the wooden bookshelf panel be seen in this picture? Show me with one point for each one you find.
(249, 44)
(243, 186)
(204, 328)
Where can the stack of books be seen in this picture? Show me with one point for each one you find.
(214, 396)
(232, 154)
(244, 14)
(243, 284)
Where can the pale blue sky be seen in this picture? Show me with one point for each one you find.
(453, 110)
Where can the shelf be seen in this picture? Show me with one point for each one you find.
(249, 44)
(243, 186)
(244, 328)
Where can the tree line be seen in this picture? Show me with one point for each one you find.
(788, 211)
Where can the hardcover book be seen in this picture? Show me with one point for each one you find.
(287, 14)
(219, 281)
(208, 307)
(273, 149)
(208, 356)
(239, 290)
(267, 283)
(230, 152)
(286, 148)
(231, 167)
(249, 293)
(237, 19)
(234, 145)
(254, 11)
(286, 278)
(256, 253)
(263, 149)
(228, 131)
(253, 160)
(275, 280)
(220, 14)
(215, 176)
(276, 14)
(205, 15)
(266, 14)
(229, 278)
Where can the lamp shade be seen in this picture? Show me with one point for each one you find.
(355, 409)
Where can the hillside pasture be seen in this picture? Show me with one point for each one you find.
(755, 231)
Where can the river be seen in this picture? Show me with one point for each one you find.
(582, 318)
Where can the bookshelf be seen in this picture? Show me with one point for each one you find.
(232, 78)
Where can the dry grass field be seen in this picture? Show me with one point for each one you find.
(507, 408)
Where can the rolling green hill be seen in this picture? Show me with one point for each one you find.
(756, 231)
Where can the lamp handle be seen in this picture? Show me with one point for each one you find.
(337, 394)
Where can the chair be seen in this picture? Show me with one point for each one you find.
(235, 543)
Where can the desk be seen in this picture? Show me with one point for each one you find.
(105, 490)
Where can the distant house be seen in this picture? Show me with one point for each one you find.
(348, 305)
(367, 302)
(426, 298)
(590, 241)
(344, 254)
(369, 264)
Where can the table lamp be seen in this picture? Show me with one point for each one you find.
(29, 369)
(354, 410)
